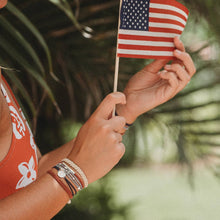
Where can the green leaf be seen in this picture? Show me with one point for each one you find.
(66, 8)
(16, 81)
(33, 30)
(5, 44)
(21, 41)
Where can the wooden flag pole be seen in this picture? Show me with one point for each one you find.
(115, 87)
(116, 79)
(116, 74)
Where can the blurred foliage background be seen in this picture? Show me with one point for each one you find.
(58, 56)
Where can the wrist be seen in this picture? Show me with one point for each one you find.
(62, 183)
(123, 110)
(69, 176)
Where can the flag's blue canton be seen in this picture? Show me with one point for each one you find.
(134, 15)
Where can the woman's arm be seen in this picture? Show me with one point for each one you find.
(149, 87)
(42, 199)
(96, 151)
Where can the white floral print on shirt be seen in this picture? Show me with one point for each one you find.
(17, 123)
(28, 173)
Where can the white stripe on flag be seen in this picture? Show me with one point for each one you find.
(145, 52)
(147, 33)
(168, 7)
(164, 25)
(167, 16)
(145, 43)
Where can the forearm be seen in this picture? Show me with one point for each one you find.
(42, 199)
(36, 201)
(96, 151)
(52, 158)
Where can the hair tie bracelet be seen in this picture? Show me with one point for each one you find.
(126, 127)
(77, 169)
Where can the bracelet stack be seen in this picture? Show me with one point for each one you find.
(75, 167)
(70, 177)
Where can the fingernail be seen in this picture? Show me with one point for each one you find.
(167, 66)
(177, 37)
(163, 72)
(178, 51)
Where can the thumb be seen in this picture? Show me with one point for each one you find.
(156, 65)
(107, 105)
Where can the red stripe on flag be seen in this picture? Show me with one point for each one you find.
(166, 11)
(168, 21)
(172, 3)
(144, 38)
(146, 56)
(165, 30)
(142, 47)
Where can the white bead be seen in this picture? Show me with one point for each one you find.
(61, 173)
(69, 202)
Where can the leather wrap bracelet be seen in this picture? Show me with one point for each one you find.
(62, 184)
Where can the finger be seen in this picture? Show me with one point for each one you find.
(179, 44)
(187, 61)
(171, 77)
(180, 71)
(118, 138)
(120, 148)
(156, 66)
(107, 105)
(117, 123)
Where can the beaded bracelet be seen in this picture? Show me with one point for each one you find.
(78, 170)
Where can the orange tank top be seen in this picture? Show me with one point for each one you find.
(19, 168)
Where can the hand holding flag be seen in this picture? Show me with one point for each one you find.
(150, 88)
(150, 29)
(147, 29)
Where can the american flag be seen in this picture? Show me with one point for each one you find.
(147, 28)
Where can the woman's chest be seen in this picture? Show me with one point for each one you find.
(18, 151)
(5, 128)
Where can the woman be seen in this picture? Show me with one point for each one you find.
(30, 188)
